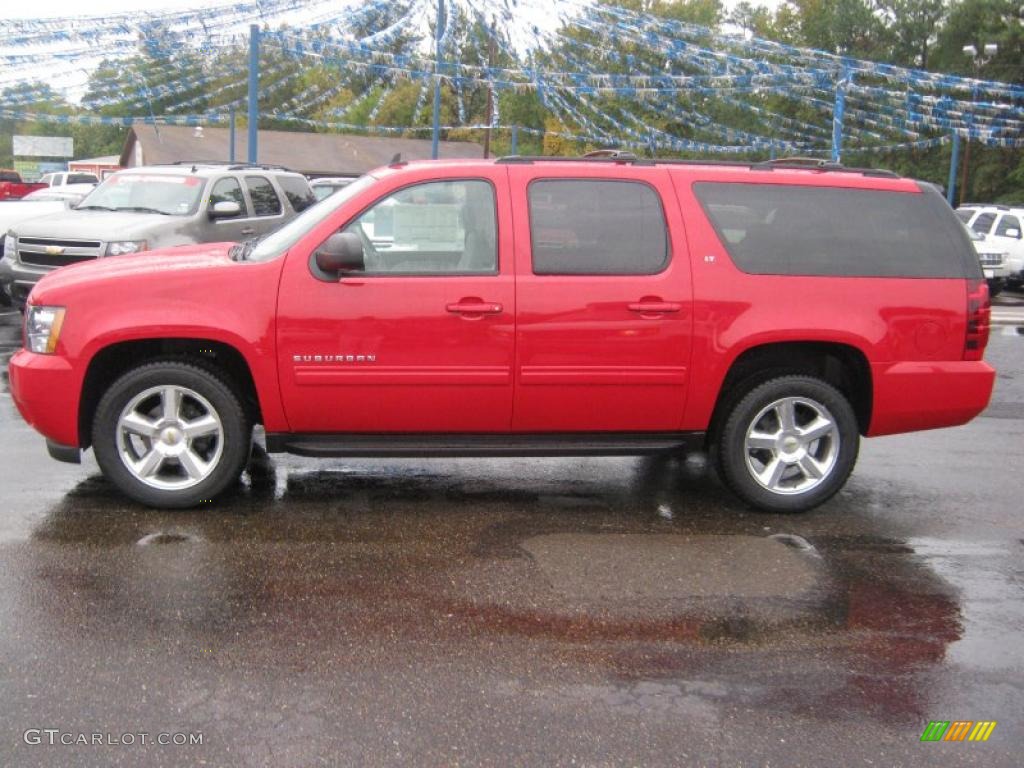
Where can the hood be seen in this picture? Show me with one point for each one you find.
(163, 263)
(14, 212)
(99, 225)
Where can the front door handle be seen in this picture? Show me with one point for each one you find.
(248, 231)
(655, 307)
(474, 307)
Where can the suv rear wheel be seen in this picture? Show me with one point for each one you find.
(170, 434)
(789, 444)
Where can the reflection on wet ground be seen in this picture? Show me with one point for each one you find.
(529, 612)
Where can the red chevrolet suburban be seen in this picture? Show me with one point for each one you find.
(770, 312)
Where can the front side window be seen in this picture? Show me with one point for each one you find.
(265, 201)
(596, 227)
(435, 228)
(228, 190)
(983, 223)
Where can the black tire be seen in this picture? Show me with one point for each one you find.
(732, 451)
(235, 437)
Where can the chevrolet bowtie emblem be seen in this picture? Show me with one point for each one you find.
(54, 250)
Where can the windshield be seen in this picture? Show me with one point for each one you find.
(169, 194)
(280, 240)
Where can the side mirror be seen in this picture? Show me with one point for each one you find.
(225, 209)
(1014, 233)
(342, 252)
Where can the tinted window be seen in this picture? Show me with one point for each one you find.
(81, 178)
(228, 190)
(436, 228)
(297, 190)
(965, 214)
(587, 227)
(794, 230)
(1006, 223)
(264, 199)
(10, 176)
(983, 223)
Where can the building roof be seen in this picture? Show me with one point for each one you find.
(105, 160)
(325, 154)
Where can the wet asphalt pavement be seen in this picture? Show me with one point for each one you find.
(596, 612)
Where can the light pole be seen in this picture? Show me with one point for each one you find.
(978, 58)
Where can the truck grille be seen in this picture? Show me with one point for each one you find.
(46, 252)
(991, 259)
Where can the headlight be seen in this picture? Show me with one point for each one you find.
(42, 328)
(8, 247)
(125, 246)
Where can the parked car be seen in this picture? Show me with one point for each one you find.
(527, 306)
(143, 209)
(993, 262)
(63, 178)
(1004, 227)
(327, 186)
(72, 194)
(12, 187)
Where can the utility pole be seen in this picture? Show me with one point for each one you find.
(979, 58)
(438, 35)
(490, 91)
(254, 84)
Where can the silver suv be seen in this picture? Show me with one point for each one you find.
(151, 207)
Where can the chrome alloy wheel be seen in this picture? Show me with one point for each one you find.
(792, 445)
(170, 437)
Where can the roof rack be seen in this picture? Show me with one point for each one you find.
(618, 157)
(229, 165)
(997, 206)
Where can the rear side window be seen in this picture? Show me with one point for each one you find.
(596, 227)
(1008, 224)
(771, 229)
(264, 199)
(81, 178)
(297, 190)
(983, 223)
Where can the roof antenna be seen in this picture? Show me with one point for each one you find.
(397, 159)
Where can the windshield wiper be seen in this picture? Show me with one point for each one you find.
(94, 208)
(141, 209)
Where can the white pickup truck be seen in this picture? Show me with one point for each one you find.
(1003, 227)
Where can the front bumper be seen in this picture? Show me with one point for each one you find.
(45, 389)
(911, 396)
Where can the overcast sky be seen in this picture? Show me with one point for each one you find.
(61, 8)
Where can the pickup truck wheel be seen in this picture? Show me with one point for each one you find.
(171, 434)
(789, 444)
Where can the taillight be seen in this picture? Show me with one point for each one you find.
(979, 313)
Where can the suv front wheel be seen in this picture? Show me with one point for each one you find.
(170, 434)
(789, 444)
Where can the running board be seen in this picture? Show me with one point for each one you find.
(403, 445)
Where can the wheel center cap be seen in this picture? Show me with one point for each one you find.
(171, 436)
(790, 444)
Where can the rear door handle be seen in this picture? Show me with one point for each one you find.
(474, 307)
(655, 307)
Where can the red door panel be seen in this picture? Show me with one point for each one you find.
(600, 352)
(411, 353)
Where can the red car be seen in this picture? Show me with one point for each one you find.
(527, 306)
(13, 188)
